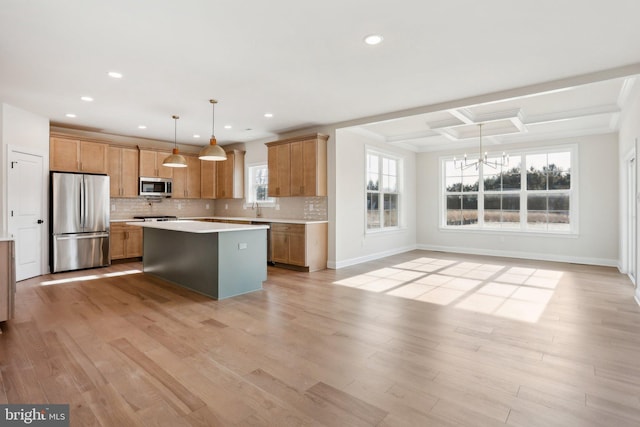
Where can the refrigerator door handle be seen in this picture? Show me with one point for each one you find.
(81, 203)
(77, 237)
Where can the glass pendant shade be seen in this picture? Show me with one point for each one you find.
(212, 152)
(175, 160)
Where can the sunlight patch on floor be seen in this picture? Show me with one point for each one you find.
(516, 293)
(88, 277)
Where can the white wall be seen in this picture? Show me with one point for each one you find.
(353, 244)
(597, 241)
(629, 139)
(22, 129)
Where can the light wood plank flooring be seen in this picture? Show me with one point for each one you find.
(418, 339)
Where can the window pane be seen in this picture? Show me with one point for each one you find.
(511, 175)
(470, 183)
(390, 210)
(372, 182)
(450, 169)
(372, 163)
(537, 211)
(470, 209)
(536, 172)
(492, 182)
(454, 184)
(511, 210)
(559, 171)
(373, 211)
(389, 184)
(492, 209)
(454, 213)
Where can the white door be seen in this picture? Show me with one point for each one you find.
(632, 214)
(26, 212)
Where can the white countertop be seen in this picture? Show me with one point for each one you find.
(259, 219)
(196, 226)
(5, 238)
(237, 218)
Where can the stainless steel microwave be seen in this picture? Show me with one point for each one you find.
(155, 187)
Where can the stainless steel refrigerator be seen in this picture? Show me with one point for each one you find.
(79, 221)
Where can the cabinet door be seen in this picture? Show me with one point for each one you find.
(304, 168)
(224, 178)
(297, 169)
(133, 242)
(297, 245)
(114, 170)
(280, 247)
(179, 190)
(207, 179)
(64, 154)
(93, 157)
(148, 163)
(193, 177)
(129, 173)
(163, 171)
(117, 237)
(279, 165)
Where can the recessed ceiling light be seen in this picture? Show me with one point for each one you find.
(71, 115)
(373, 39)
(268, 115)
(142, 127)
(196, 136)
(227, 126)
(86, 98)
(115, 74)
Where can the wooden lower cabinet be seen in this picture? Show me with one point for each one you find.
(300, 245)
(125, 241)
(7, 280)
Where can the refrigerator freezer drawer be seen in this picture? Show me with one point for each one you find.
(76, 251)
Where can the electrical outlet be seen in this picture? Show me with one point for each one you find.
(226, 206)
(277, 207)
(113, 207)
(242, 246)
(179, 206)
(206, 206)
(310, 206)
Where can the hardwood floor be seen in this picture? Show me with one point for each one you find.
(418, 339)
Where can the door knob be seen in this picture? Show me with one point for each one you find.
(40, 221)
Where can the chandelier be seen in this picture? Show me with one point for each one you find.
(482, 159)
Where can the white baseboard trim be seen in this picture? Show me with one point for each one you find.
(524, 255)
(371, 257)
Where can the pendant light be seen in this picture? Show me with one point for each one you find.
(175, 160)
(212, 152)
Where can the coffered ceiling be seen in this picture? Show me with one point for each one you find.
(588, 109)
(305, 63)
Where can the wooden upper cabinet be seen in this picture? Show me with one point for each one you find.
(123, 171)
(230, 176)
(298, 166)
(186, 181)
(279, 165)
(208, 179)
(151, 164)
(74, 155)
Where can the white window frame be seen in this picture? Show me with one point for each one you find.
(399, 176)
(250, 189)
(523, 228)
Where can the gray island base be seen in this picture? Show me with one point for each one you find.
(214, 259)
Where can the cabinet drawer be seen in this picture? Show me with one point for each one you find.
(287, 228)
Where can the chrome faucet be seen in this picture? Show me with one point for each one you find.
(256, 206)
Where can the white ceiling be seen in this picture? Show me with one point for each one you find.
(305, 63)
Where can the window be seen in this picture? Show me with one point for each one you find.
(258, 185)
(383, 191)
(533, 192)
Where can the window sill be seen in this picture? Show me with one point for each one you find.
(499, 231)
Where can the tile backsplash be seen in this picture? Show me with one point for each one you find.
(308, 208)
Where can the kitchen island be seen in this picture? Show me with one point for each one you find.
(218, 260)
